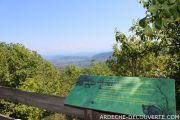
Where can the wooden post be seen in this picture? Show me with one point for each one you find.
(87, 114)
(91, 115)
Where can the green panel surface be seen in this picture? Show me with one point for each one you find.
(126, 95)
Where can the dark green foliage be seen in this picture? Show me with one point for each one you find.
(164, 15)
(143, 22)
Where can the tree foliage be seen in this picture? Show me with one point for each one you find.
(134, 57)
(163, 18)
(160, 15)
(24, 69)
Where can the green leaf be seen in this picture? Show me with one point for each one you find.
(178, 20)
(153, 2)
(165, 23)
(143, 22)
(161, 1)
(178, 8)
(170, 2)
(153, 9)
(174, 12)
(158, 22)
(166, 13)
(153, 26)
(148, 31)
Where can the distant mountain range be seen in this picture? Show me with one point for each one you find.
(102, 57)
(81, 61)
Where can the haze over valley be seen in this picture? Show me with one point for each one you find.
(78, 59)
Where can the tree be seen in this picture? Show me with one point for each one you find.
(134, 57)
(162, 21)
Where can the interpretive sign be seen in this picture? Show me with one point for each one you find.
(125, 95)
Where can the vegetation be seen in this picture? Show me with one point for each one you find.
(152, 51)
(24, 69)
(163, 20)
(134, 57)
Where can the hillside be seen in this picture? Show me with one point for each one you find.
(102, 56)
(81, 61)
(62, 61)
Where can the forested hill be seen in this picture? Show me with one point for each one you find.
(81, 61)
(102, 56)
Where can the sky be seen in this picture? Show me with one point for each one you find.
(60, 27)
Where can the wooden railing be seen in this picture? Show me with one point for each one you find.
(47, 102)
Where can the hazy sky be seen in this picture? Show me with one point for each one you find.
(66, 26)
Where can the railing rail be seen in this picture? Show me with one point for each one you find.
(47, 102)
(3, 117)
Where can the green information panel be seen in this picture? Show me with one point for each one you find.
(125, 95)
